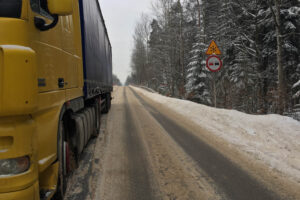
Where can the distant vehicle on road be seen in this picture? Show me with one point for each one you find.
(56, 79)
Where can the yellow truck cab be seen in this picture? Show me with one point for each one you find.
(55, 81)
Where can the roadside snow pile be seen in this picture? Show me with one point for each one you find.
(148, 89)
(274, 139)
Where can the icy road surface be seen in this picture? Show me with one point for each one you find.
(273, 139)
(148, 150)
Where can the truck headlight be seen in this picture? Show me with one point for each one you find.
(10, 167)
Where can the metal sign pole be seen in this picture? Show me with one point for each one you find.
(214, 64)
(215, 89)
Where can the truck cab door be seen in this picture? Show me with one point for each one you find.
(72, 60)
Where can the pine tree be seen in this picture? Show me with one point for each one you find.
(250, 34)
(198, 78)
(156, 56)
(290, 15)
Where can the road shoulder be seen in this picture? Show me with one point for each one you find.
(269, 177)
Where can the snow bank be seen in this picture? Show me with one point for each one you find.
(273, 139)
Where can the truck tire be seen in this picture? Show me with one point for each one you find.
(107, 104)
(93, 121)
(86, 127)
(95, 118)
(62, 151)
(79, 132)
(109, 101)
(97, 110)
(90, 122)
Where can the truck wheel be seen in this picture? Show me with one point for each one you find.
(97, 119)
(109, 100)
(63, 152)
(107, 103)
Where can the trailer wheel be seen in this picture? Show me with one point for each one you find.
(63, 159)
(107, 103)
(109, 100)
(97, 111)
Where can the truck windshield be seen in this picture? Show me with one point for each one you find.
(10, 8)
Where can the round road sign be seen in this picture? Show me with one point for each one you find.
(214, 63)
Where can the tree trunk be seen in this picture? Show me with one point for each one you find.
(181, 89)
(281, 87)
(199, 13)
(262, 83)
(281, 90)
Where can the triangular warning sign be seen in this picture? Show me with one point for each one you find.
(213, 49)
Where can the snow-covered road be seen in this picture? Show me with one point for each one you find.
(158, 148)
(271, 139)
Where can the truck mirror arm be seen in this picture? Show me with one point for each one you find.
(40, 23)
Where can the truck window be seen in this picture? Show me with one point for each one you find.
(40, 7)
(10, 8)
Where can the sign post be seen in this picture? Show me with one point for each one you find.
(214, 64)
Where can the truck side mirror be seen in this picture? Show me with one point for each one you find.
(60, 7)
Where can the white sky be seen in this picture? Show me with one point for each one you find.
(120, 18)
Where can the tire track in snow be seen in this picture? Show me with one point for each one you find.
(139, 178)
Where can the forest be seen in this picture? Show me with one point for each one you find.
(116, 80)
(259, 41)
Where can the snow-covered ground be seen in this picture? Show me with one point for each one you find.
(273, 139)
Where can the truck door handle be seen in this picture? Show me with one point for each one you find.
(61, 82)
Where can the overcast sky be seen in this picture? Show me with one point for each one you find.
(120, 18)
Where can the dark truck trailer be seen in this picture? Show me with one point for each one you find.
(97, 52)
